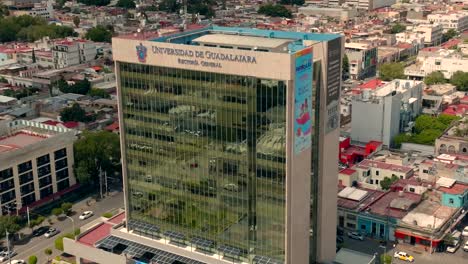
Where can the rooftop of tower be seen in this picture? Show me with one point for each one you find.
(246, 38)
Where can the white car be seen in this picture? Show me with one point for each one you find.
(403, 256)
(86, 215)
(18, 261)
(356, 235)
(452, 248)
(5, 256)
(51, 232)
(465, 231)
(465, 247)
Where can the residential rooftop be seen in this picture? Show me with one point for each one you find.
(365, 164)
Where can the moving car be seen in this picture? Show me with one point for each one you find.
(403, 256)
(51, 232)
(465, 247)
(40, 231)
(465, 231)
(86, 215)
(7, 255)
(454, 246)
(455, 242)
(18, 261)
(356, 235)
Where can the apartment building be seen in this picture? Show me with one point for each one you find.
(372, 172)
(386, 111)
(446, 61)
(369, 4)
(431, 33)
(362, 60)
(457, 21)
(72, 52)
(36, 163)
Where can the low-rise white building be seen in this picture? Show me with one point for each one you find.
(36, 161)
(383, 113)
(371, 173)
(431, 33)
(457, 20)
(446, 61)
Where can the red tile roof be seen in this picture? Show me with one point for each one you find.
(112, 127)
(372, 84)
(347, 171)
(96, 234)
(51, 122)
(382, 165)
(70, 124)
(382, 207)
(459, 109)
(457, 188)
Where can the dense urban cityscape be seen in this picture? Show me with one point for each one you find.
(248, 132)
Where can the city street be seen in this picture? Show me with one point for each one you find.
(36, 245)
(371, 246)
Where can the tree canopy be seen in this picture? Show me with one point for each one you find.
(10, 224)
(435, 77)
(387, 182)
(426, 129)
(292, 2)
(75, 113)
(397, 28)
(95, 2)
(345, 70)
(98, 93)
(460, 80)
(28, 28)
(127, 4)
(96, 150)
(99, 34)
(451, 33)
(80, 87)
(391, 71)
(275, 11)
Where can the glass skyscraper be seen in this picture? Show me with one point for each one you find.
(220, 138)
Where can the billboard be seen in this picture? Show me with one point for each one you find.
(333, 84)
(303, 101)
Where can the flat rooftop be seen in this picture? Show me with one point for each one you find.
(19, 140)
(245, 41)
(233, 35)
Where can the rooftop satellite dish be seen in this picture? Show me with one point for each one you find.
(139, 30)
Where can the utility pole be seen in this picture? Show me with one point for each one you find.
(73, 224)
(27, 211)
(100, 180)
(432, 235)
(8, 246)
(105, 179)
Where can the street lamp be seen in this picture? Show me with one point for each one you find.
(73, 223)
(8, 246)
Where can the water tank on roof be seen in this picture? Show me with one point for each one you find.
(366, 94)
(400, 193)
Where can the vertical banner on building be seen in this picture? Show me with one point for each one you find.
(303, 101)
(333, 84)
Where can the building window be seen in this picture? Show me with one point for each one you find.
(382, 230)
(43, 160)
(28, 199)
(363, 227)
(27, 188)
(411, 189)
(46, 192)
(376, 182)
(401, 177)
(60, 153)
(62, 174)
(61, 164)
(45, 170)
(351, 217)
(425, 171)
(451, 201)
(6, 185)
(23, 167)
(377, 172)
(45, 181)
(351, 225)
(8, 196)
(5, 174)
(27, 177)
(371, 181)
(368, 173)
(62, 185)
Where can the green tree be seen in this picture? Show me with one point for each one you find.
(36, 222)
(345, 69)
(98, 93)
(66, 207)
(435, 77)
(57, 211)
(391, 71)
(76, 20)
(387, 182)
(127, 4)
(10, 224)
(75, 113)
(80, 87)
(292, 2)
(48, 252)
(460, 80)
(401, 138)
(4, 11)
(274, 11)
(99, 34)
(95, 2)
(96, 150)
(169, 6)
(32, 259)
(3, 80)
(451, 33)
(397, 28)
(385, 259)
(59, 241)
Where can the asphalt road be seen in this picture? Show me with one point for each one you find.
(36, 245)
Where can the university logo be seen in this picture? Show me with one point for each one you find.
(141, 52)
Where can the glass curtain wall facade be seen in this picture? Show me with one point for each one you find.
(206, 158)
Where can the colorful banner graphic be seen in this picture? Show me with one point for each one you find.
(303, 101)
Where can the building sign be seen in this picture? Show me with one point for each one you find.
(333, 84)
(203, 58)
(303, 101)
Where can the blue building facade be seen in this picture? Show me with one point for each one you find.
(455, 200)
(376, 226)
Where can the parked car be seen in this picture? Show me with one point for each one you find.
(51, 232)
(86, 215)
(403, 256)
(356, 235)
(465, 231)
(465, 247)
(18, 261)
(5, 255)
(454, 246)
(40, 231)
